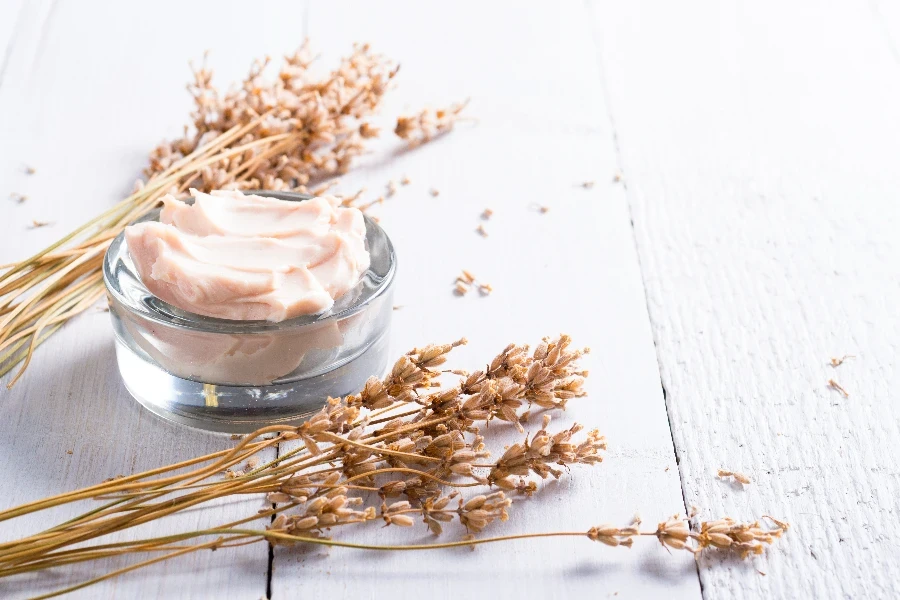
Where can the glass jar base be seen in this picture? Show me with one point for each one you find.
(243, 409)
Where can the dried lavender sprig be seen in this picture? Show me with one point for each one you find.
(745, 538)
(428, 124)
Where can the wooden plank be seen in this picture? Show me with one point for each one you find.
(887, 18)
(541, 131)
(10, 13)
(89, 90)
(759, 142)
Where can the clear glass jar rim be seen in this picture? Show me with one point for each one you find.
(192, 321)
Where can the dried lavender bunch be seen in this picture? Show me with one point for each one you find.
(402, 435)
(436, 436)
(395, 437)
(322, 121)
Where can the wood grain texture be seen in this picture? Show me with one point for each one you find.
(541, 131)
(10, 12)
(760, 143)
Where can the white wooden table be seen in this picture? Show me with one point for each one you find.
(756, 234)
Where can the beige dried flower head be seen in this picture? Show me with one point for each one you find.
(478, 512)
(723, 534)
(745, 538)
(434, 355)
(674, 533)
(543, 451)
(331, 510)
(550, 381)
(435, 511)
(411, 373)
(395, 514)
(612, 535)
(427, 124)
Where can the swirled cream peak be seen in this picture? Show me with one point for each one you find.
(233, 256)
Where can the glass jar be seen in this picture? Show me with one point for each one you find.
(236, 376)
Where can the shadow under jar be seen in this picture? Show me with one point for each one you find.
(236, 376)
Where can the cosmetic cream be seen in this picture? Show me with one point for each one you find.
(227, 318)
(246, 257)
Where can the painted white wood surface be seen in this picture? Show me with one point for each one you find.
(91, 87)
(10, 11)
(542, 130)
(760, 144)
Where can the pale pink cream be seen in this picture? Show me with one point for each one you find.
(240, 257)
